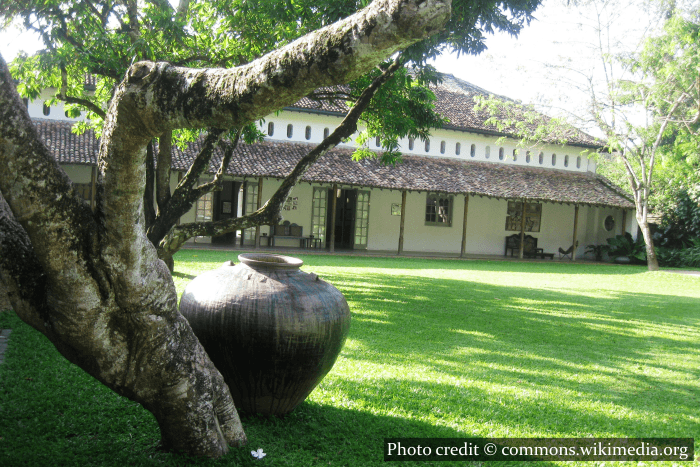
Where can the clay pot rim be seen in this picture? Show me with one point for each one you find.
(269, 261)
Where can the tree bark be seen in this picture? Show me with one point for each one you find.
(652, 261)
(116, 321)
(92, 282)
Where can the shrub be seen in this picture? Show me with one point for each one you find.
(624, 245)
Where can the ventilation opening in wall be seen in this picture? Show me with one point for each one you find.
(458, 149)
(501, 154)
(578, 162)
(487, 152)
(46, 110)
(566, 161)
(541, 158)
(472, 150)
(270, 129)
(377, 141)
(515, 155)
(427, 145)
(443, 145)
(528, 157)
(307, 132)
(411, 143)
(290, 130)
(554, 159)
(609, 223)
(326, 132)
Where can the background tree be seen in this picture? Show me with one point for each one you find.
(92, 282)
(644, 102)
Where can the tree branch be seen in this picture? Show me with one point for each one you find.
(229, 98)
(165, 161)
(185, 193)
(270, 212)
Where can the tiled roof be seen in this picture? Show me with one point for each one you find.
(67, 147)
(447, 175)
(455, 101)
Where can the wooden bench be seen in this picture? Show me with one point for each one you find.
(286, 231)
(530, 249)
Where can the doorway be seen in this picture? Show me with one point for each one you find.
(345, 205)
(226, 207)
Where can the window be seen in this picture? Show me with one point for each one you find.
(319, 208)
(566, 161)
(438, 210)
(541, 158)
(270, 129)
(443, 145)
(609, 223)
(377, 141)
(203, 211)
(501, 154)
(578, 162)
(290, 130)
(528, 157)
(554, 159)
(251, 205)
(487, 152)
(515, 155)
(427, 145)
(472, 151)
(410, 143)
(458, 149)
(307, 133)
(326, 132)
(47, 110)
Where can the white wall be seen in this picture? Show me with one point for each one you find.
(318, 123)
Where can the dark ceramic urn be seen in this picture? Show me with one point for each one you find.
(272, 330)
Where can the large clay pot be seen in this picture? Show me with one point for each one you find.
(272, 330)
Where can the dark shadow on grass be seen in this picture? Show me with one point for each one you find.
(183, 275)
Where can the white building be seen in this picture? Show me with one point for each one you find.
(461, 192)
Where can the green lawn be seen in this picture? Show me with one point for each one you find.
(437, 348)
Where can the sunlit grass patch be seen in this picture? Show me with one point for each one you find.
(437, 348)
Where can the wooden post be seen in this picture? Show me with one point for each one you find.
(403, 220)
(624, 221)
(93, 186)
(245, 191)
(522, 231)
(334, 201)
(464, 227)
(257, 227)
(179, 179)
(573, 253)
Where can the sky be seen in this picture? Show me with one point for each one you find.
(533, 68)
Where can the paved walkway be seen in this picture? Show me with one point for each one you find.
(369, 253)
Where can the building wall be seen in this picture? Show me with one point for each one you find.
(485, 147)
(486, 229)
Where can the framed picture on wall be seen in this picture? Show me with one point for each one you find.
(533, 216)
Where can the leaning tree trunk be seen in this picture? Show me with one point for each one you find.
(93, 282)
